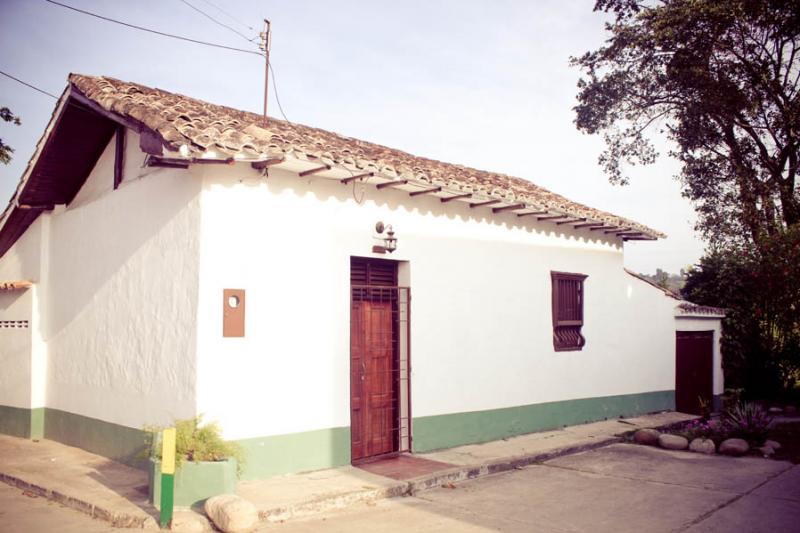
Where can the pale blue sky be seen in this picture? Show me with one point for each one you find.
(480, 83)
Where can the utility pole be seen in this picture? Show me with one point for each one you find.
(266, 43)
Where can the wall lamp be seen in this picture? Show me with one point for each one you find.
(389, 241)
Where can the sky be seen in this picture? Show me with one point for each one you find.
(485, 84)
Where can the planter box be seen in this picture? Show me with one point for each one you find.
(194, 482)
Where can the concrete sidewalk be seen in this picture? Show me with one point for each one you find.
(117, 493)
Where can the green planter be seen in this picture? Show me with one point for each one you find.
(194, 482)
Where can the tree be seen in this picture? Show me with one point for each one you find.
(6, 150)
(720, 78)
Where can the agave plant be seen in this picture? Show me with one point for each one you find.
(748, 421)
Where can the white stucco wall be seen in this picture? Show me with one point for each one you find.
(480, 314)
(119, 290)
(15, 349)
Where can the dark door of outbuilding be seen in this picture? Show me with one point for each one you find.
(694, 376)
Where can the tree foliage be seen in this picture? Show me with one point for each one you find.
(720, 78)
(760, 290)
(5, 150)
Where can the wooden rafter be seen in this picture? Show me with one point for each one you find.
(600, 228)
(570, 221)
(553, 217)
(426, 191)
(532, 213)
(43, 207)
(357, 177)
(391, 184)
(508, 208)
(619, 230)
(456, 197)
(119, 155)
(311, 171)
(590, 225)
(488, 202)
(261, 165)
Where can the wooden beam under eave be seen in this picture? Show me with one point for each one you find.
(261, 165)
(600, 228)
(571, 221)
(456, 197)
(356, 177)
(42, 207)
(618, 230)
(161, 162)
(554, 217)
(317, 170)
(426, 191)
(391, 184)
(15, 285)
(482, 204)
(119, 155)
(508, 208)
(590, 225)
(532, 213)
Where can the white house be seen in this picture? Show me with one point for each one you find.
(164, 257)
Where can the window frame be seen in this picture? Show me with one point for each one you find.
(555, 277)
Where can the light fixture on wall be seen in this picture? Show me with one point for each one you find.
(389, 241)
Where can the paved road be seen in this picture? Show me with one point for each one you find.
(30, 514)
(618, 488)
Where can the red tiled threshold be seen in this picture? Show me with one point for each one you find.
(404, 467)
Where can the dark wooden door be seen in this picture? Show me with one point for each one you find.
(373, 359)
(694, 355)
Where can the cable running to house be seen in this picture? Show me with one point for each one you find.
(215, 21)
(227, 14)
(7, 75)
(163, 34)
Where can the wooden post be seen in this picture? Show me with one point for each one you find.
(167, 476)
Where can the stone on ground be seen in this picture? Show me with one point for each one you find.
(189, 522)
(775, 445)
(775, 411)
(701, 445)
(231, 514)
(673, 442)
(734, 447)
(646, 436)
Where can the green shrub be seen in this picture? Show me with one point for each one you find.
(195, 441)
(748, 421)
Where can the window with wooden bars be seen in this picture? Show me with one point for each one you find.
(567, 311)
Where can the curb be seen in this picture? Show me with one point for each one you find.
(121, 520)
(423, 483)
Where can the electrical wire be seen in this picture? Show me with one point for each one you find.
(163, 34)
(7, 75)
(215, 21)
(215, 6)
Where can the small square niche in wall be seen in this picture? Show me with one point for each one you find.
(233, 312)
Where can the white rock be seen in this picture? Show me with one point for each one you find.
(646, 436)
(775, 445)
(701, 445)
(231, 514)
(189, 522)
(734, 447)
(673, 442)
(775, 411)
(766, 451)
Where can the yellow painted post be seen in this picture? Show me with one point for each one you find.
(167, 475)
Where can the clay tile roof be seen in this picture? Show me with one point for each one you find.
(202, 127)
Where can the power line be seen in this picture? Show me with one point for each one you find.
(215, 6)
(215, 21)
(7, 75)
(163, 34)
(277, 98)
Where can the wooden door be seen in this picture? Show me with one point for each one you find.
(694, 355)
(373, 361)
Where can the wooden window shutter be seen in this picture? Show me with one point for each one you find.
(567, 309)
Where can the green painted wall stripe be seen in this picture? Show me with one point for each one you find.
(167, 493)
(445, 431)
(295, 452)
(15, 421)
(117, 442)
(37, 423)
